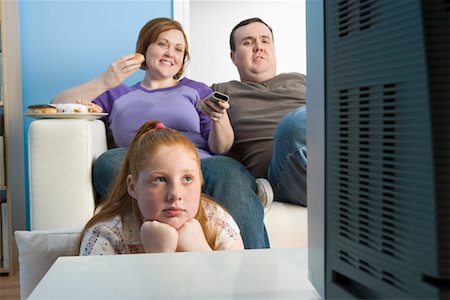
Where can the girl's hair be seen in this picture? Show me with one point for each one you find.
(149, 34)
(148, 139)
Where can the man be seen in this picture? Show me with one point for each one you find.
(268, 114)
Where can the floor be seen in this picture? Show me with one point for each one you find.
(9, 287)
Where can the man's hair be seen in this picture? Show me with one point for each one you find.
(243, 23)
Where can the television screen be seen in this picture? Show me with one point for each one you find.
(385, 105)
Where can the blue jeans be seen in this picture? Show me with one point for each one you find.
(287, 169)
(105, 169)
(225, 179)
(233, 186)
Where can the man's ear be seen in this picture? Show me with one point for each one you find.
(131, 186)
(232, 57)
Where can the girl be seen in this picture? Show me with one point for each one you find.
(156, 205)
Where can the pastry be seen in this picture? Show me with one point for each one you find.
(71, 108)
(42, 109)
(139, 57)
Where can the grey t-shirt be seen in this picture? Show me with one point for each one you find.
(256, 109)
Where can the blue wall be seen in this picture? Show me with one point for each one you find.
(65, 43)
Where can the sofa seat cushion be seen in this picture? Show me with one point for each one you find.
(287, 225)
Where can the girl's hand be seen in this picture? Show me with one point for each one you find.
(157, 237)
(191, 237)
(215, 110)
(119, 70)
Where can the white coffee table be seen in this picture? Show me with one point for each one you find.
(250, 274)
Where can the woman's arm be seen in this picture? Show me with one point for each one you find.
(116, 73)
(87, 91)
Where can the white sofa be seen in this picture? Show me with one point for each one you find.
(61, 153)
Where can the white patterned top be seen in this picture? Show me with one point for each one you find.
(117, 236)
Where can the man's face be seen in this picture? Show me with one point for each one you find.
(255, 52)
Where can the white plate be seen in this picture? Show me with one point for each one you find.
(86, 116)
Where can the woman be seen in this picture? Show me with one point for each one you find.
(181, 104)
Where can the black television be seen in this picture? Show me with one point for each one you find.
(378, 148)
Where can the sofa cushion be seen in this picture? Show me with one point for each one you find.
(38, 250)
(287, 225)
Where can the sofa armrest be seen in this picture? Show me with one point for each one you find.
(60, 154)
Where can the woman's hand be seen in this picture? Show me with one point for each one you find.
(191, 237)
(118, 71)
(157, 237)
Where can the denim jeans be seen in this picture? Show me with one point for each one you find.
(233, 186)
(287, 169)
(225, 179)
(105, 169)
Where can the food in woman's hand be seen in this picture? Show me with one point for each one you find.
(42, 109)
(139, 57)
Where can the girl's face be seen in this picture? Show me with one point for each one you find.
(164, 57)
(168, 190)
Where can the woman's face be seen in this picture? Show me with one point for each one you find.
(164, 57)
(168, 190)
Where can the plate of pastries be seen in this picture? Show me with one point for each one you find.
(77, 110)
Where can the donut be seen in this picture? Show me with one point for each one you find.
(79, 107)
(42, 109)
(71, 108)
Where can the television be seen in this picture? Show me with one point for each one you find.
(378, 148)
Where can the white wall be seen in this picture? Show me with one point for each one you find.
(209, 25)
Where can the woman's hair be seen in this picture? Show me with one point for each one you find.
(148, 139)
(243, 23)
(149, 34)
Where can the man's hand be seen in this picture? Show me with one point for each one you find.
(215, 110)
(157, 237)
(191, 237)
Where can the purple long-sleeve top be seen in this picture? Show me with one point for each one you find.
(131, 106)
